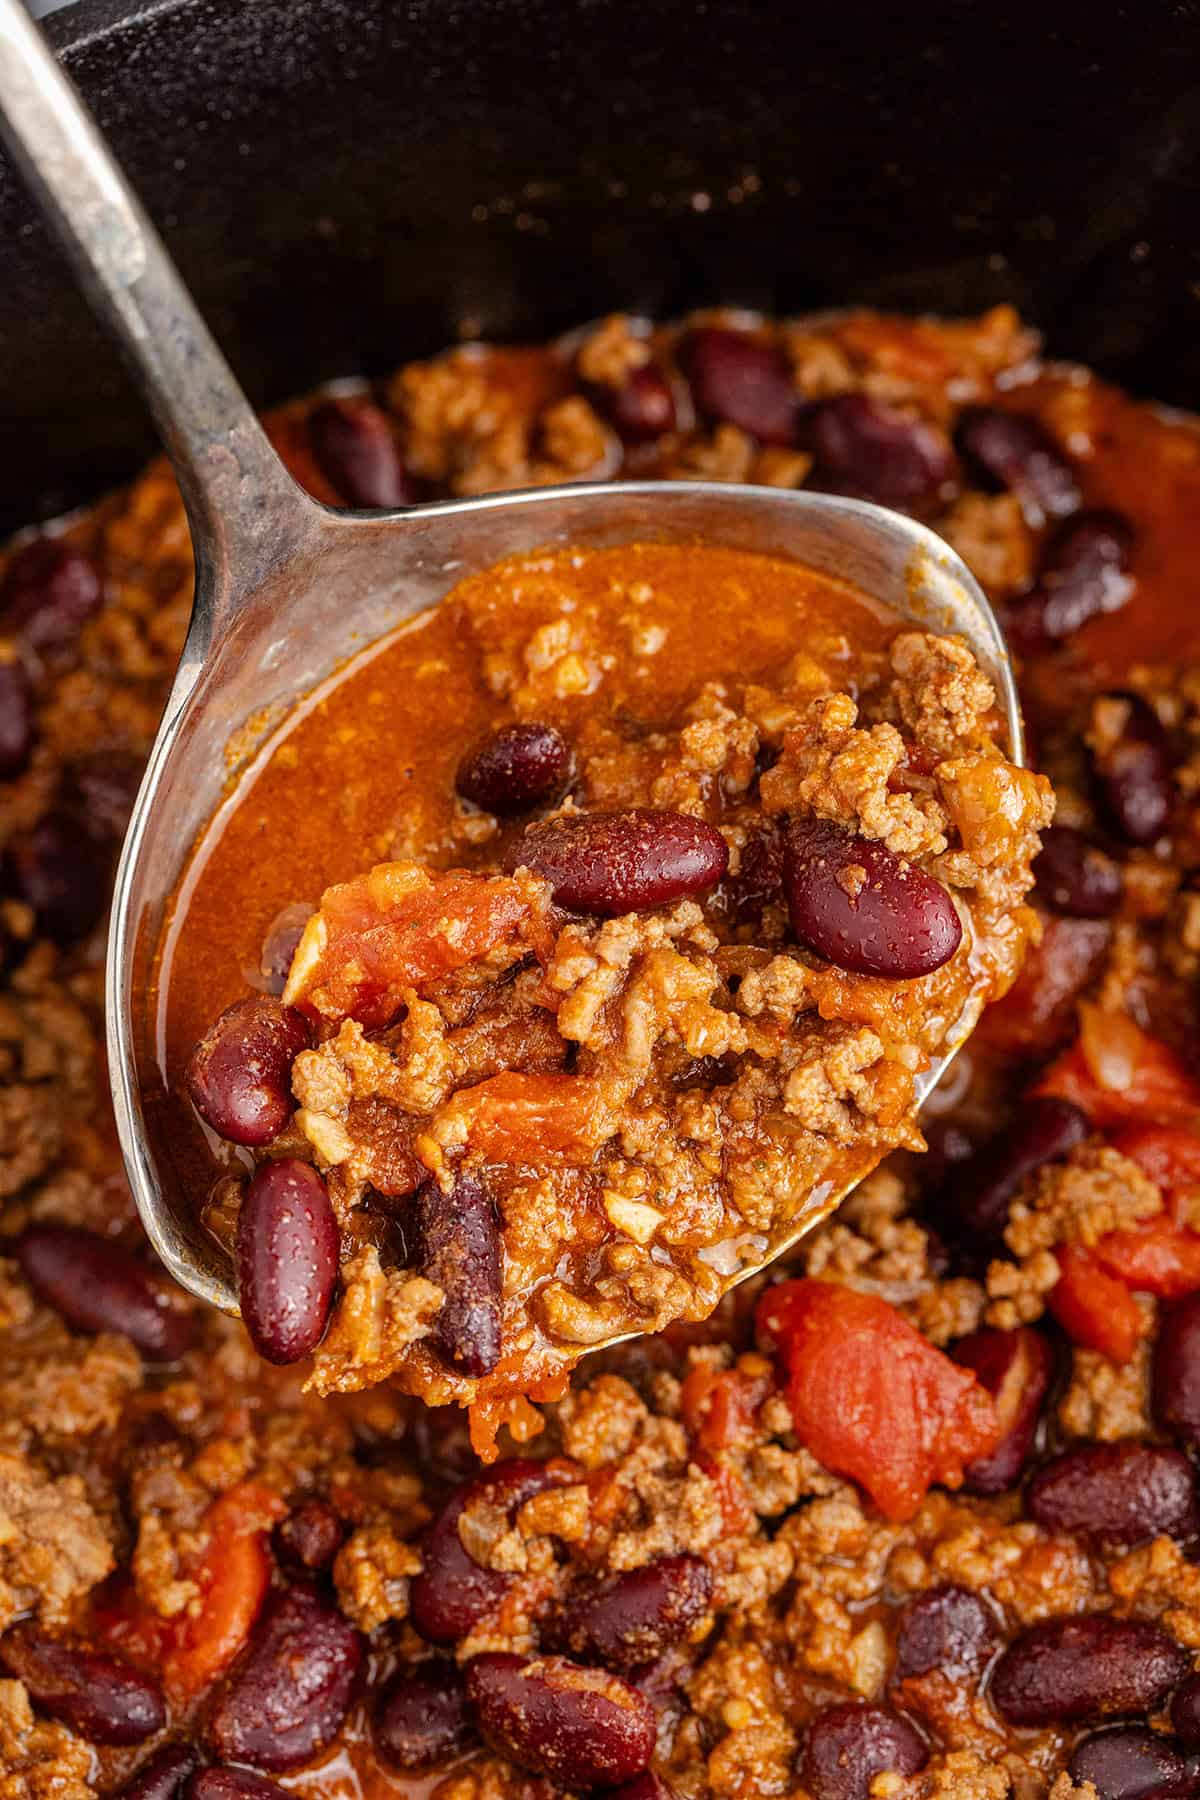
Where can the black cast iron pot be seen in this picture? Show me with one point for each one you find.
(350, 182)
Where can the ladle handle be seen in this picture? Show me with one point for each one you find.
(243, 507)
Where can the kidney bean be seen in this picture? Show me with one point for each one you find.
(1131, 1762)
(287, 1256)
(421, 1717)
(632, 1618)
(642, 408)
(1016, 1367)
(1063, 1671)
(102, 1697)
(232, 1784)
(1082, 573)
(310, 1536)
(980, 1189)
(1134, 772)
(289, 1696)
(1185, 1711)
(453, 1592)
(862, 908)
(583, 1727)
(162, 1775)
(736, 379)
(871, 452)
(459, 1237)
(98, 1286)
(1175, 1377)
(848, 1745)
(619, 862)
(947, 1628)
(643, 1787)
(103, 790)
(1013, 451)
(16, 721)
(519, 767)
(239, 1075)
(357, 454)
(280, 944)
(60, 871)
(1075, 877)
(1117, 1493)
(50, 589)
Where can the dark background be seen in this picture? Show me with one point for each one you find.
(349, 182)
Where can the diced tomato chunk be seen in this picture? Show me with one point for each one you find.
(1120, 1075)
(1094, 1308)
(1038, 1011)
(516, 1118)
(737, 1514)
(394, 930)
(872, 1398)
(1169, 1155)
(719, 1405)
(1156, 1258)
(233, 1578)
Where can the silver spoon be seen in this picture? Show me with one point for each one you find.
(287, 589)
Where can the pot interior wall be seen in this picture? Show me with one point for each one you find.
(346, 184)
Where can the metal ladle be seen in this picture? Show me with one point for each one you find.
(287, 589)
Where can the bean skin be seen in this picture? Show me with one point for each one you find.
(1013, 451)
(641, 409)
(239, 1075)
(1175, 1377)
(643, 1787)
(290, 1695)
(633, 1618)
(1075, 877)
(162, 1775)
(98, 1286)
(582, 1727)
(1082, 573)
(421, 1717)
(1131, 1762)
(621, 862)
(981, 1187)
(848, 1745)
(50, 589)
(736, 379)
(287, 1259)
(459, 1237)
(1067, 1671)
(232, 1784)
(1118, 1493)
(862, 908)
(871, 452)
(310, 1536)
(62, 872)
(1016, 1367)
(947, 1628)
(1185, 1711)
(357, 454)
(1133, 770)
(100, 1696)
(16, 720)
(517, 768)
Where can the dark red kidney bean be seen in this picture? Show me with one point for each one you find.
(518, 768)
(848, 1745)
(62, 872)
(632, 1618)
(619, 862)
(1131, 1762)
(280, 944)
(1010, 450)
(453, 1592)
(310, 1536)
(100, 1696)
(981, 1187)
(1075, 877)
(358, 455)
(742, 382)
(947, 1628)
(864, 449)
(1175, 1377)
(643, 1787)
(239, 1076)
(1117, 1493)
(103, 790)
(421, 1717)
(292, 1691)
(1083, 572)
(162, 1775)
(49, 590)
(1185, 1711)
(98, 1286)
(1135, 773)
(459, 1238)
(862, 908)
(1065, 1671)
(643, 407)
(232, 1784)
(287, 1257)
(582, 1727)
(16, 721)
(1016, 1367)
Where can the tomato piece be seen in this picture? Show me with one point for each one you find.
(872, 1398)
(737, 1514)
(1169, 1155)
(1093, 1307)
(1120, 1075)
(1038, 1011)
(719, 1405)
(516, 1118)
(396, 929)
(1157, 1258)
(233, 1577)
